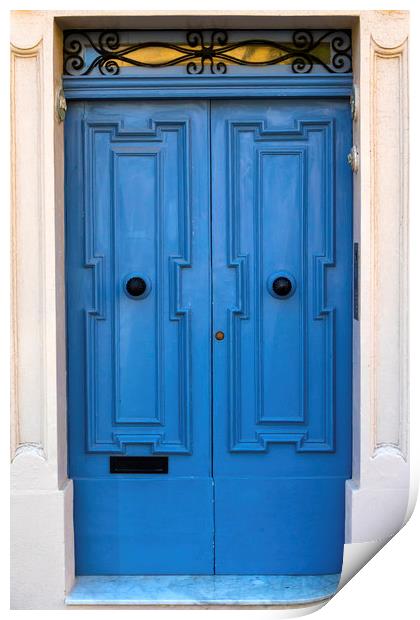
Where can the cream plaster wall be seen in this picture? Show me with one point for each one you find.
(377, 495)
(376, 498)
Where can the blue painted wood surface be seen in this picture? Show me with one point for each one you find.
(181, 87)
(208, 200)
(138, 201)
(282, 376)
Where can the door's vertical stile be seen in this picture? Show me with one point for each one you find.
(212, 331)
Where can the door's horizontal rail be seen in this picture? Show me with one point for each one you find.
(207, 87)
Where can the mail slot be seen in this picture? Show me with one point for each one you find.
(138, 464)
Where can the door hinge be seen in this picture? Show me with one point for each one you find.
(61, 104)
(353, 159)
(354, 102)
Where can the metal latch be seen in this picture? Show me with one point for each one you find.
(356, 281)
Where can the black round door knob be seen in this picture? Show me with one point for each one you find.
(282, 286)
(136, 286)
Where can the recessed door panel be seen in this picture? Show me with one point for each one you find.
(282, 391)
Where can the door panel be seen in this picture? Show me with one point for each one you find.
(139, 368)
(282, 375)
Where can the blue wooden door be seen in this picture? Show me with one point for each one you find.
(138, 208)
(194, 451)
(282, 240)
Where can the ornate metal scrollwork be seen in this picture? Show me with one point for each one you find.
(301, 54)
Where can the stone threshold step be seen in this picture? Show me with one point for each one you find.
(202, 589)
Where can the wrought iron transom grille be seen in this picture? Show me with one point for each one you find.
(88, 52)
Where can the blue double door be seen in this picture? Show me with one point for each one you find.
(209, 270)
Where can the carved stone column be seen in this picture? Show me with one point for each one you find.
(377, 496)
(42, 554)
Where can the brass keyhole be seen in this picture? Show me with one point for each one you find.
(219, 335)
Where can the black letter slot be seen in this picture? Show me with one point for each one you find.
(138, 464)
